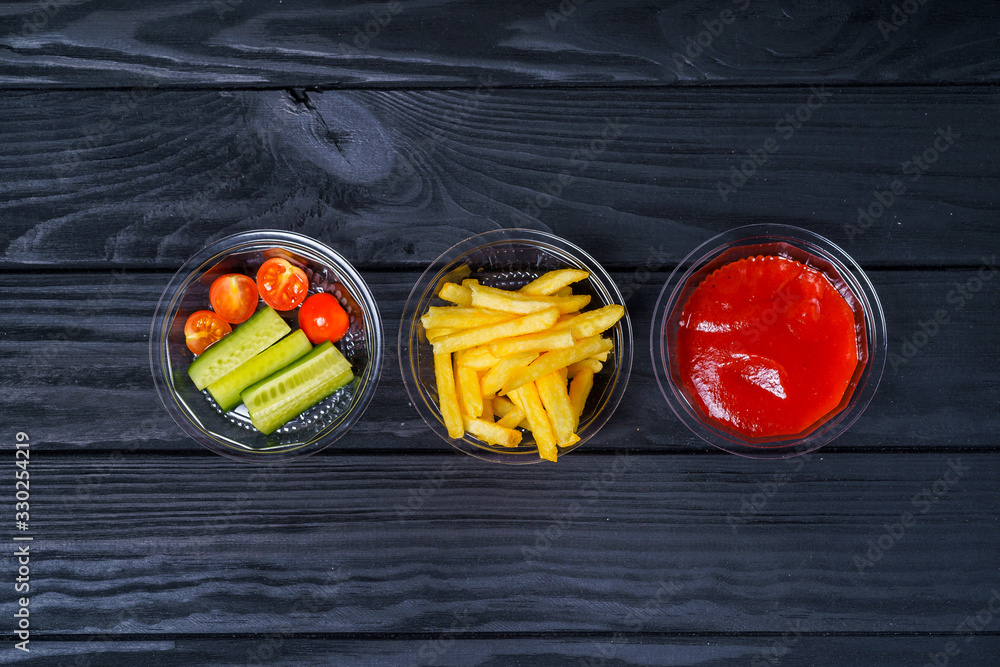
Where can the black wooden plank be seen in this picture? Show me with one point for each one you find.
(391, 179)
(74, 367)
(150, 545)
(457, 42)
(450, 648)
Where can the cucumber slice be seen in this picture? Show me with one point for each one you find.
(276, 400)
(226, 390)
(253, 336)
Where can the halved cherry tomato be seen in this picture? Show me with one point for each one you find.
(281, 284)
(322, 318)
(203, 328)
(233, 297)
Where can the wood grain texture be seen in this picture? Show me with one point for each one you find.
(74, 367)
(154, 545)
(456, 42)
(453, 650)
(392, 179)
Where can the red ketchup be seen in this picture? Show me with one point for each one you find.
(767, 347)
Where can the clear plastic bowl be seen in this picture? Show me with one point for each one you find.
(510, 258)
(231, 433)
(800, 245)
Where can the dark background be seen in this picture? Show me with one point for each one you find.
(132, 136)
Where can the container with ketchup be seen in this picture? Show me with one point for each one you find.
(768, 340)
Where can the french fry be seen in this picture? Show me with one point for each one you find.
(438, 332)
(447, 396)
(526, 397)
(515, 302)
(528, 344)
(553, 281)
(502, 405)
(457, 294)
(591, 364)
(483, 335)
(479, 358)
(536, 342)
(593, 322)
(555, 399)
(514, 418)
(553, 361)
(495, 378)
(488, 408)
(461, 317)
(579, 390)
(470, 398)
(491, 433)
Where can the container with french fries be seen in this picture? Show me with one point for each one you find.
(515, 346)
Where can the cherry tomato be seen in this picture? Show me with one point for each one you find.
(233, 297)
(322, 318)
(203, 328)
(281, 284)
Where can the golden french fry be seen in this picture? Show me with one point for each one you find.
(438, 332)
(479, 358)
(495, 378)
(553, 281)
(470, 399)
(593, 322)
(579, 389)
(461, 317)
(502, 406)
(489, 333)
(447, 396)
(603, 356)
(536, 342)
(552, 391)
(488, 408)
(513, 418)
(553, 361)
(457, 294)
(591, 364)
(491, 433)
(526, 397)
(515, 302)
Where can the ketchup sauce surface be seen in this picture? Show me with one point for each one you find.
(767, 346)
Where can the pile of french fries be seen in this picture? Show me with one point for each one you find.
(509, 360)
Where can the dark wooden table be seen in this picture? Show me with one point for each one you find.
(133, 136)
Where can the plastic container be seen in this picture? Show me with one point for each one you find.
(805, 247)
(508, 259)
(231, 433)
